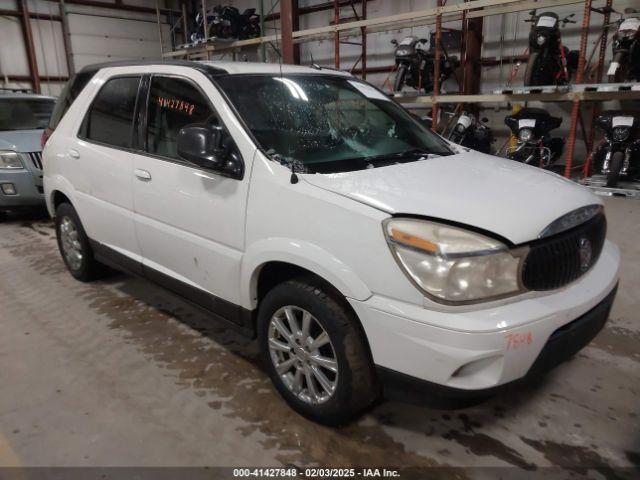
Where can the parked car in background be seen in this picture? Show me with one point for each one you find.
(308, 209)
(23, 117)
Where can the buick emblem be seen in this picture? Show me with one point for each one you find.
(585, 253)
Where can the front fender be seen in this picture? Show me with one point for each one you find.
(302, 254)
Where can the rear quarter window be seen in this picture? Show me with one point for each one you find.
(69, 93)
(109, 119)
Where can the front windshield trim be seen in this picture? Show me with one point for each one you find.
(325, 73)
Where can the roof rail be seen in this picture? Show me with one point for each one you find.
(209, 69)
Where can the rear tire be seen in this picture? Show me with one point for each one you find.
(400, 76)
(74, 246)
(353, 384)
(614, 169)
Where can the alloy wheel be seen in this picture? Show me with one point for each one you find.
(71, 247)
(302, 354)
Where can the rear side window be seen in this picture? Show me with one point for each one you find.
(110, 117)
(173, 104)
(71, 90)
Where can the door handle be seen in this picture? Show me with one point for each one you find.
(142, 174)
(74, 154)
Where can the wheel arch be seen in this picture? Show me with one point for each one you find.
(273, 273)
(274, 259)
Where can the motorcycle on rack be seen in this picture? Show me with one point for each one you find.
(226, 22)
(248, 24)
(550, 62)
(472, 133)
(416, 65)
(618, 156)
(535, 146)
(625, 64)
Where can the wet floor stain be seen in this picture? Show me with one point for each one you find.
(575, 458)
(619, 341)
(222, 367)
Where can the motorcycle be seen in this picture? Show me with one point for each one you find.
(249, 24)
(619, 154)
(472, 133)
(550, 62)
(226, 22)
(625, 64)
(416, 65)
(535, 146)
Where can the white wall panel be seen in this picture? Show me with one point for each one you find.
(13, 55)
(49, 46)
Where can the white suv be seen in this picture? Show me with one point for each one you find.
(305, 207)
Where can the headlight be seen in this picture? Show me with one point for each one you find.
(10, 161)
(460, 128)
(620, 134)
(540, 39)
(525, 134)
(453, 265)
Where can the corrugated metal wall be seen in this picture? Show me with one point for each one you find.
(95, 35)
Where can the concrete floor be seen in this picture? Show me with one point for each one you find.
(120, 372)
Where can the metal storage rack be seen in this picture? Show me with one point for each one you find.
(471, 13)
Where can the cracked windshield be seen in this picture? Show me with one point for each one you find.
(326, 124)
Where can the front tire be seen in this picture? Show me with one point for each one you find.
(74, 246)
(315, 352)
(619, 75)
(614, 169)
(400, 76)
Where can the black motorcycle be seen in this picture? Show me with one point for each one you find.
(248, 24)
(226, 22)
(415, 65)
(618, 156)
(535, 146)
(471, 133)
(625, 64)
(550, 62)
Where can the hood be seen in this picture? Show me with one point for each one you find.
(21, 140)
(513, 200)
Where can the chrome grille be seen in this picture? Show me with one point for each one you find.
(559, 260)
(36, 159)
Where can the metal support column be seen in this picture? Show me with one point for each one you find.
(160, 27)
(436, 68)
(29, 46)
(363, 31)
(575, 108)
(599, 73)
(336, 36)
(287, 20)
(185, 28)
(66, 38)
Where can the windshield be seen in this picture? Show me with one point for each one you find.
(25, 113)
(327, 124)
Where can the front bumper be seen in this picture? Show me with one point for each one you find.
(29, 189)
(478, 350)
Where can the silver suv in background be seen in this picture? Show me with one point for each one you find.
(23, 117)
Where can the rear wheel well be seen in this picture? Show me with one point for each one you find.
(275, 273)
(59, 198)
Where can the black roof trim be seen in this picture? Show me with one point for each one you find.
(202, 67)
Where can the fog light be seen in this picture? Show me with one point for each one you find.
(8, 189)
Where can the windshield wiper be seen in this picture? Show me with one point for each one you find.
(410, 153)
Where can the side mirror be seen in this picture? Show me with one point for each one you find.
(210, 147)
(394, 42)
